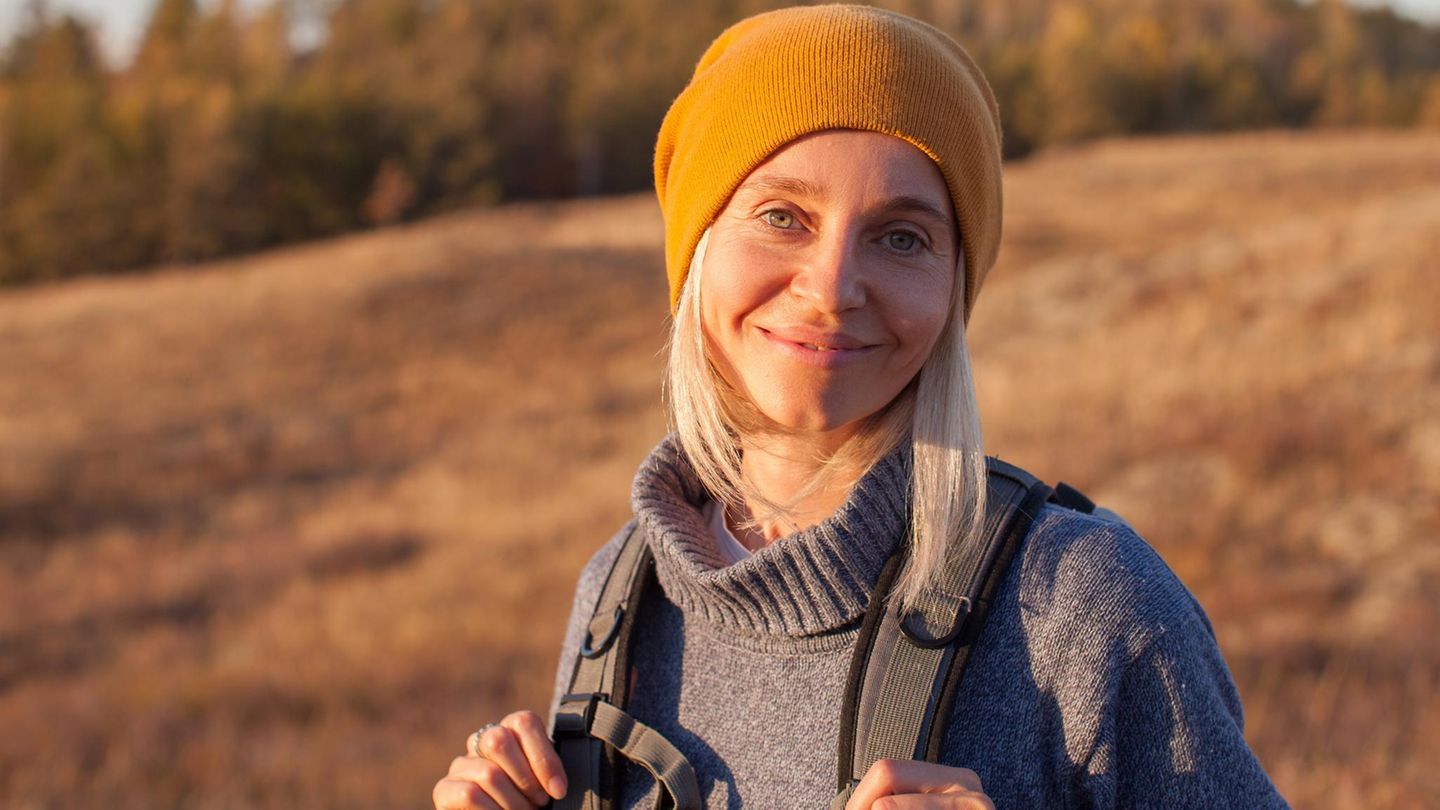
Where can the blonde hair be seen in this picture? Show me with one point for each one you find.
(937, 411)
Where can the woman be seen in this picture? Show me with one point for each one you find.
(831, 185)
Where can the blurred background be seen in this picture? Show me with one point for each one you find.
(329, 334)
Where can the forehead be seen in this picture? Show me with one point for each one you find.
(856, 165)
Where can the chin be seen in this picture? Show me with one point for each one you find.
(815, 416)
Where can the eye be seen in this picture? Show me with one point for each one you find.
(903, 241)
(779, 219)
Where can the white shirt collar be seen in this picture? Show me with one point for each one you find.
(729, 547)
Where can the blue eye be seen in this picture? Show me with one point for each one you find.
(903, 241)
(778, 218)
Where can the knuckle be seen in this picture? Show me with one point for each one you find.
(517, 717)
(887, 769)
(525, 781)
(530, 783)
(460, 763)
(488, 775)
(529, 721)
(494, 742)
(476, 796)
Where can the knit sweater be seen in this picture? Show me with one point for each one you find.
(1097, 681)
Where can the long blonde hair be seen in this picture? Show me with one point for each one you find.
(937, 411)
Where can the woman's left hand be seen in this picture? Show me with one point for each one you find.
(902, 784)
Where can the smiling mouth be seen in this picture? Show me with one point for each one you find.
(829, 352)
(825, 343)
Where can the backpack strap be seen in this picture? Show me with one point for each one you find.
(906, 668)
(591, 728)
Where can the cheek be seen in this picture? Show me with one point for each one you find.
(735, 282)
(920, 317)
(728, 294)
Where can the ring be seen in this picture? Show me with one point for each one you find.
(473, 744)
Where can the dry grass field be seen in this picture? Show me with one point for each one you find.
(279, 532)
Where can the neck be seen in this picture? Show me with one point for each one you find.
(782, 469)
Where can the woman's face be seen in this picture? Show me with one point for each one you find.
(828, 278)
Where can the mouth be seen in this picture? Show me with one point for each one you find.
(816, 339)
(826, 351)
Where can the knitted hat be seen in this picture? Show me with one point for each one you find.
(773, 77)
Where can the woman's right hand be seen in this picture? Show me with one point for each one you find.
(515, 768)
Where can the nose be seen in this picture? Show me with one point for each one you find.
(830, 276)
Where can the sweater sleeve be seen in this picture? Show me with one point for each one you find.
(1177, 736)
(587, 592)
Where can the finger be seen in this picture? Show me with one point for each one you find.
(888, 777)
(494, 782)
(934, 801)
(539, 750)
(461, 794)
(500, 747)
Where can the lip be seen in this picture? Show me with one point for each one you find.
(799, 344)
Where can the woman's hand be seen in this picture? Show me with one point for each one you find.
(902, 784)
(515, 767)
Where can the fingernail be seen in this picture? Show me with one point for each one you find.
(557, 787)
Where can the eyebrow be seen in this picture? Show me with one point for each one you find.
(792, 185)
(917, 205)
(804, 188)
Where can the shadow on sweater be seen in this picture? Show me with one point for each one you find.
(663, 716)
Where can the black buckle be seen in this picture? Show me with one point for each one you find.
(912, 625)
(570, 719)
(590, 651)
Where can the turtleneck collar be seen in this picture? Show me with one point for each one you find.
(808, 583)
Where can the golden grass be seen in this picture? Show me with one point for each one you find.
(280, 531)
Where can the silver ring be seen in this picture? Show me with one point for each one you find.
(473, 744)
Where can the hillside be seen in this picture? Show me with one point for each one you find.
(280, 531)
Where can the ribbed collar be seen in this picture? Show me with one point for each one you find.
(808, 583)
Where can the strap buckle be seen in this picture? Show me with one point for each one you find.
(576, 713)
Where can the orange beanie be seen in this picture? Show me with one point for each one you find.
(773, 77)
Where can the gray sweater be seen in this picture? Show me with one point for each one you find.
(1096, 682)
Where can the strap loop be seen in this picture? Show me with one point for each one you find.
(915, 627)
(590, 651)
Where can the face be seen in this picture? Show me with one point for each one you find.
(828, 278)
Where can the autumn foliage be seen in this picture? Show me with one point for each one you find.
(222, 136)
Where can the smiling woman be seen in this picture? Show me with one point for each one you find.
(823, 291)
(817, 295)
(821, 550)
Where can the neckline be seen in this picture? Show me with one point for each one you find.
(812, 582)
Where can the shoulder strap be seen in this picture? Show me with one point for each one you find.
(591, 729)
(897, 657)
(923, 652)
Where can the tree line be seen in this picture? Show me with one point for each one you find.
(221, 136)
